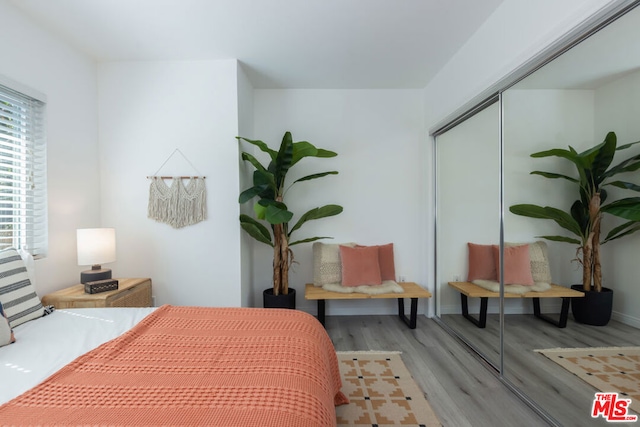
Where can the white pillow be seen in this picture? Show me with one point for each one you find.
(6, 334)
(327, 268)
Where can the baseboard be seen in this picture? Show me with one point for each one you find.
(626, 319)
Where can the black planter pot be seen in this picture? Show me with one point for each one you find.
(279, 301)
(594, 308)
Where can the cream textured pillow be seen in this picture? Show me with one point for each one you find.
(539, 254)
(327, 268)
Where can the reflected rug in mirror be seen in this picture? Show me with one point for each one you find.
(381, 392)
(609, 369)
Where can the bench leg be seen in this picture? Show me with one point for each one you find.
(564, 313)
(321, 307)
(481, 321)
(412, 321)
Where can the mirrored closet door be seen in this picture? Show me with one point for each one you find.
(468, 192)
(575, 100)
(484, 165)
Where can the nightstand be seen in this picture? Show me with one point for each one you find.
(130, 293)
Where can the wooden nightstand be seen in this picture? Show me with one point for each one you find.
(130, 293)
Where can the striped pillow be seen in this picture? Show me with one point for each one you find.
(17, 294)
(6, 334)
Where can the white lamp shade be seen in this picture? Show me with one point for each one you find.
(96, 246)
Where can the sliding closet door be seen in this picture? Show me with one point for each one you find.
(572, 101)
(467, 211)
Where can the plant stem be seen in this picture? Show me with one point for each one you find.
(597, 269)
(277, 271)
(280, 261)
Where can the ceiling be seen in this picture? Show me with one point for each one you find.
(339, 44)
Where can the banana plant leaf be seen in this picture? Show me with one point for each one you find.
(317, 213)
(626, 185)
(628, 208)
(283, 160)
(255, 229)
(625, 229)
(251, 159)
(562, 218)
(261, 145)
(310, 239)
(314, 176)
(554, 175)
(250, 193)
(304, 149)
(561, 239)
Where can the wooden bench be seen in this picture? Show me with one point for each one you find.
(411, 290)
(468, 289)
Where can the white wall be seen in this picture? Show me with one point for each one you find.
(378, 136)
(245, 128)
(514, 33)
(617, 106)
(147, 110)
(35, 58)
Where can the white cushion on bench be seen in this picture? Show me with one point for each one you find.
(494, 286)
(387, 287)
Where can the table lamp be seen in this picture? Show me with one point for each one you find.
(96, 246)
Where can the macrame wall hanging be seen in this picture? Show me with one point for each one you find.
(178, 204)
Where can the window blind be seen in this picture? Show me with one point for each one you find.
(23, 173)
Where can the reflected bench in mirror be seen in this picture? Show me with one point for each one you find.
(471, 290)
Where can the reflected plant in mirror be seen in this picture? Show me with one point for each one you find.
(594, 172)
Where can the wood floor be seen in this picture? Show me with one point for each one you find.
(460, 388)
(563, 396)
(462, 391)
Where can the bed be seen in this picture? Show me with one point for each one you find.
(170, 366)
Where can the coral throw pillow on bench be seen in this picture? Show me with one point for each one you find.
(360, 266)
(484, 263)
(367, 265)
(517, 264)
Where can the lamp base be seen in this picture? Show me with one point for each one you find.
(94, 275)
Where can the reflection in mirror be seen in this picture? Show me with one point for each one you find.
(468, 191)
(575, 101)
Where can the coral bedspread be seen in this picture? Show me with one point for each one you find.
(196, 366)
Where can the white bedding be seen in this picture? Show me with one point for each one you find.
(45, 345)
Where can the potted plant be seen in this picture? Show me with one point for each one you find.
(270, 187)
(593, 173)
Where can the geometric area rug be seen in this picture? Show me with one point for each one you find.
(381, 392)
(609, 369)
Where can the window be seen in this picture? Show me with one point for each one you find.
(23, 174)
